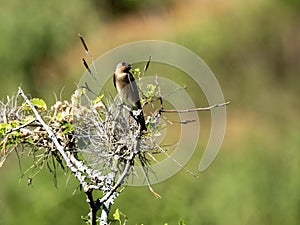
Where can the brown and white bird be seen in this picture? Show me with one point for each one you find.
(126, 86)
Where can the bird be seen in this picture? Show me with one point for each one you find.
(126, 87)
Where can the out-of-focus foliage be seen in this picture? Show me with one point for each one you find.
(120, 7)
(294, 5)
(255, 52)
(33, 33)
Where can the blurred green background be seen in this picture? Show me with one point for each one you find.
(252, 47)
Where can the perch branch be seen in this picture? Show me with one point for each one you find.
(93, 207)
(193, 110)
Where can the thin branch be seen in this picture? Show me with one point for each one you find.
(174, 91)
(148, 182)
(193, 110)
(93, 207)
(117, 184)
(159, 92)
(175, 161)
(20, 127)
(104, 213)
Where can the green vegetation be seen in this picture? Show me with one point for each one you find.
(252, 47)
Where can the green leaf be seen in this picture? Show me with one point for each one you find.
(86, 219)
(98, 99)
(4, 127)
(181, 222)
(67, 127)
(30, 141)
(39, 103)
(136, 72)
(120, 217)
(117, 215)
(151, 90)
(27, 118)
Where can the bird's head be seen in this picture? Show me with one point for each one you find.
(123, 67)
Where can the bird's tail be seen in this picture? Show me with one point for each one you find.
(141, 121)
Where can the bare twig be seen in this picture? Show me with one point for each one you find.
(20, 127)
(193, 110)
(174, 91)
(159, 92)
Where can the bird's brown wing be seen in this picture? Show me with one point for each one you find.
(139, 118)
(134, 90)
